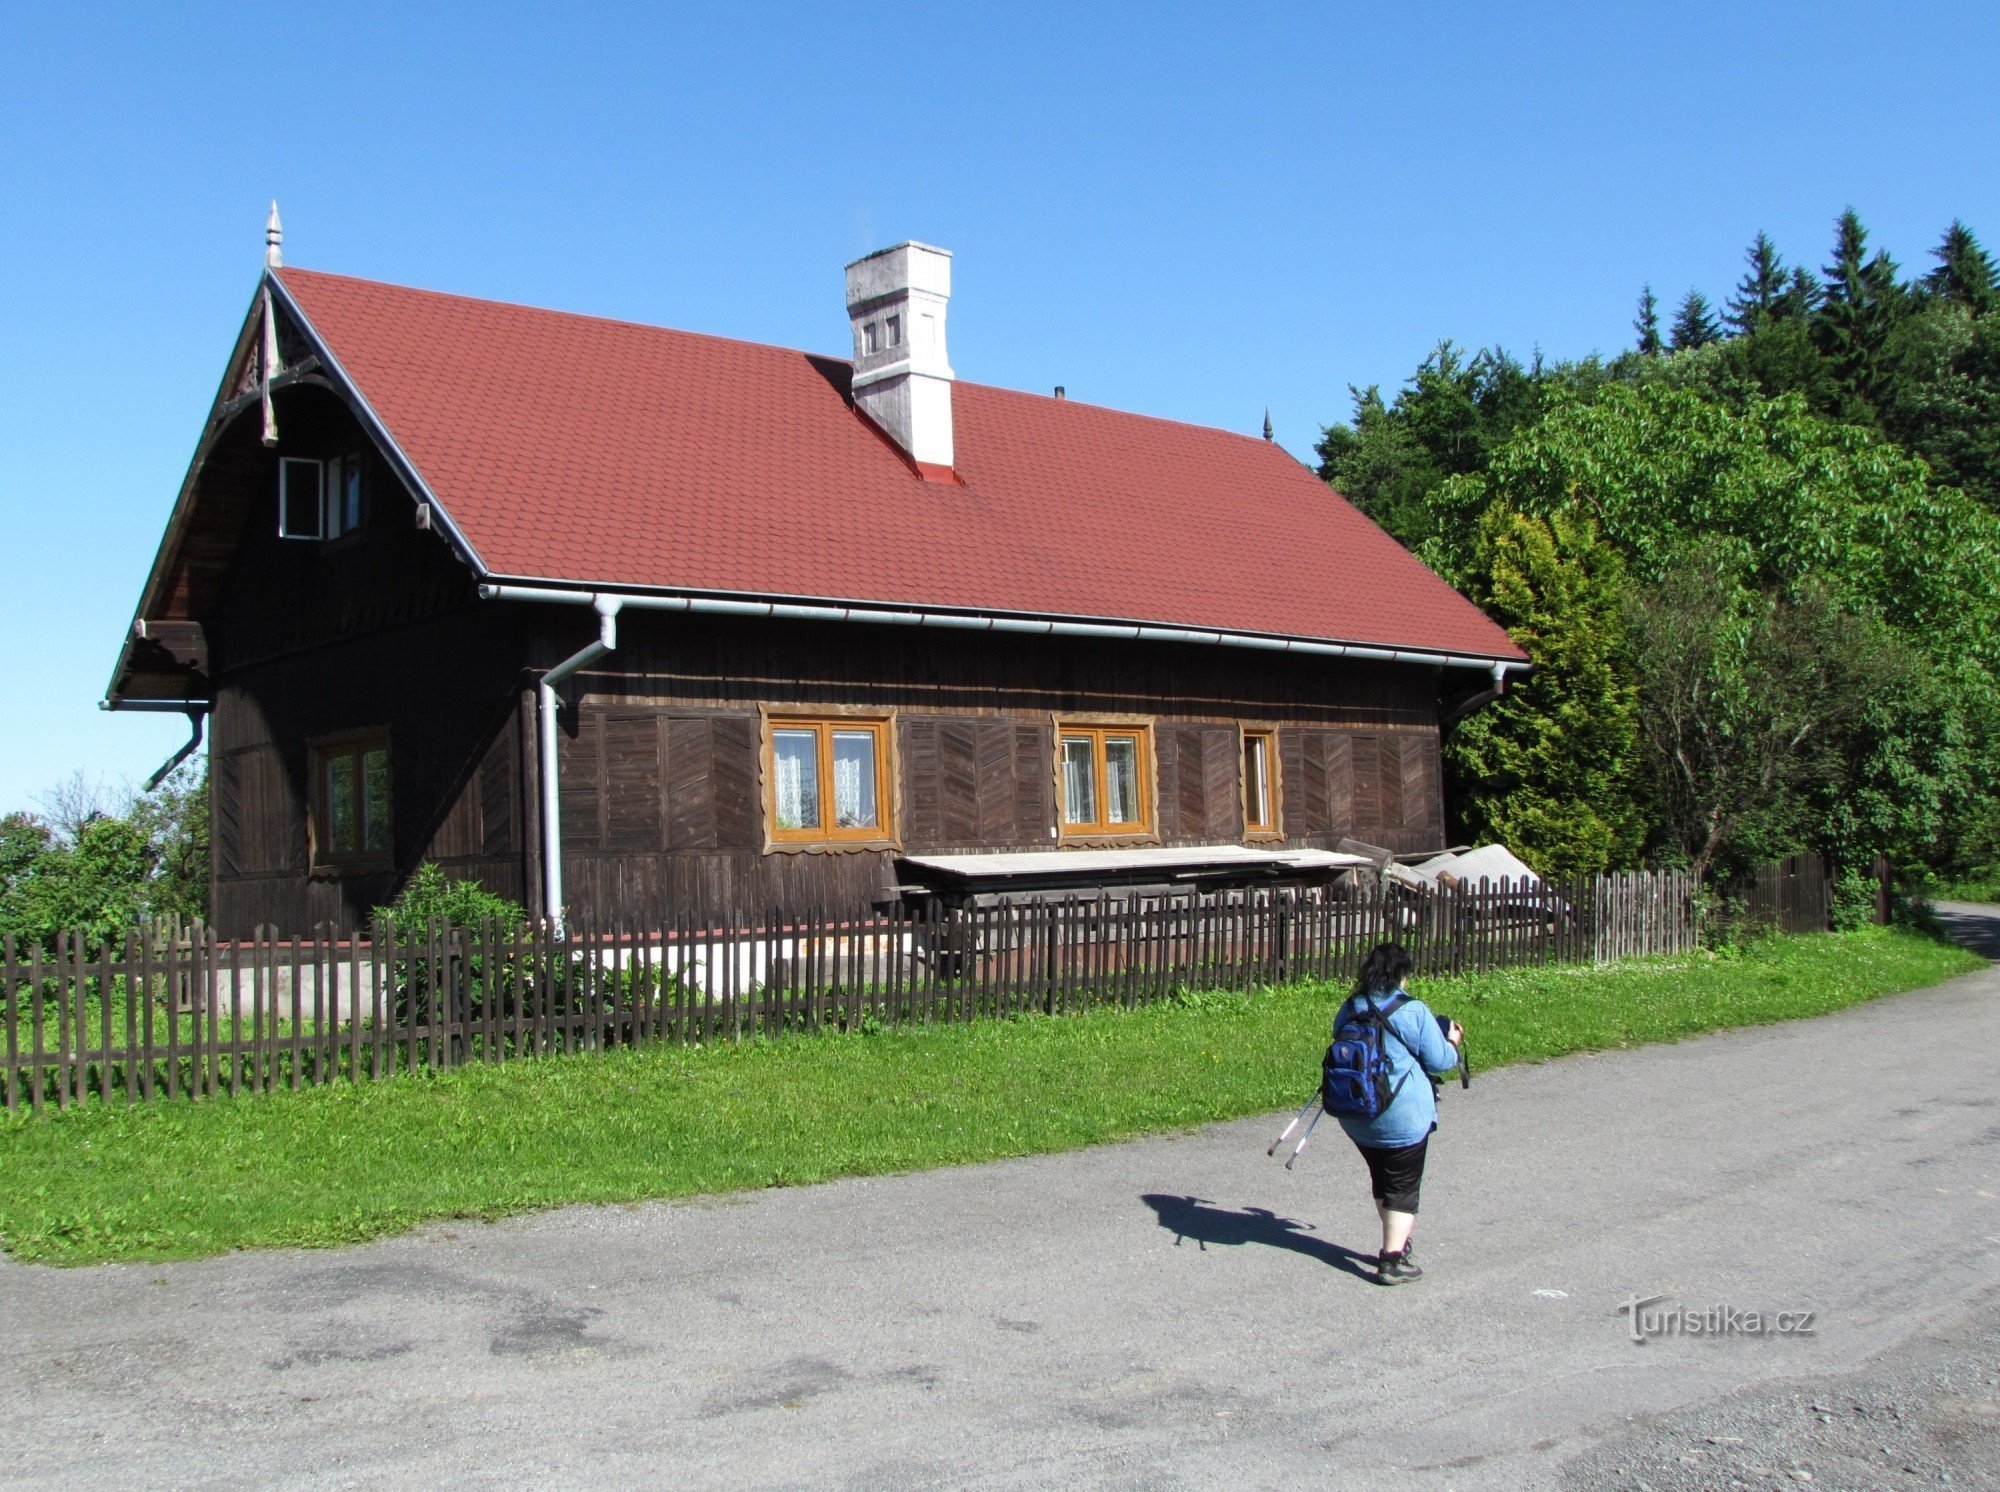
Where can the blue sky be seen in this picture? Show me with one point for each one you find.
(1192, 211)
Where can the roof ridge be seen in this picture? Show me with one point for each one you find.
(592, 316)
(681, 331)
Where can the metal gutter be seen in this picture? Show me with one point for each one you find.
(1498, 668)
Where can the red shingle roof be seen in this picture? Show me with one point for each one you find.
(603, 453)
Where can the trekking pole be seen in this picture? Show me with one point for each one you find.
(1464, 1062)
(1292, 1126)
(1304, 1137)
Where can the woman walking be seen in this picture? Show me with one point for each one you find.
(1417, 1045)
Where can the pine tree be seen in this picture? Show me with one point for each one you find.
(1648, 324)
(1850, 254)
(1863, 301)
(1694, 324)
(1757, 293)
(1965, 271)
(1800, 297)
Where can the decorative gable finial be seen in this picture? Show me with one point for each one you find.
(1267, 422)
(274, 238)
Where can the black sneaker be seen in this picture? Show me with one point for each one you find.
(1396, 1269)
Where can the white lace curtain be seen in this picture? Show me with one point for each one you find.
(795, 774)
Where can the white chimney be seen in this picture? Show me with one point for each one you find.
(902, 379)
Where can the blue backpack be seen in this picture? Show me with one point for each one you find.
(1354, 1075)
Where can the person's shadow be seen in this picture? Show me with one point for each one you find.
(1206, 1223)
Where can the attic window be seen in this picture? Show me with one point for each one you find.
(894, 327)
(871, 337)
(343, 496)
(301, 498)
(320, 499)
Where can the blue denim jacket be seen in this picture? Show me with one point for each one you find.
(1412, 1115)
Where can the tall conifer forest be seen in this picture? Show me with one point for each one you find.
(1755, 557)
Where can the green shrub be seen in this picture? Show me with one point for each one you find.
(1853, 898)
(431, 897)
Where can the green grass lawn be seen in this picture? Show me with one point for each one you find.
(349, 1162)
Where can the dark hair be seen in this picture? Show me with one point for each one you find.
(1385, 968)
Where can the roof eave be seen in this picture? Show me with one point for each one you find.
(833, 608)
(115, 695)
(177, 520)
(378, 429)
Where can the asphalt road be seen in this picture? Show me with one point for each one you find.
(1170, 1313)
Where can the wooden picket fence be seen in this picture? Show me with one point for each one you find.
(177, 1012)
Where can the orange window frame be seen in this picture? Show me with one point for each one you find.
(322, 755)
(824, 728)
(1099, 736)
(1268, 823)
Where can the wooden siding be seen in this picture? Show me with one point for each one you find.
(1201, 783)
(663, 809)
(382, 630)
(1385, 788)
(455, 773)
(976, 784)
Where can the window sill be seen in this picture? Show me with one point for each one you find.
(1096, 839)
(332, 871)
(830, 846)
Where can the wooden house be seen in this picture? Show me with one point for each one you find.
(625, 618)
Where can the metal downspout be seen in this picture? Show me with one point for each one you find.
(197, 719)
(546, 707)
(1479, 701)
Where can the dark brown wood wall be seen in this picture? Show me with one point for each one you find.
(976, 784)
(384, 630)
(662, 803)
(456, 778)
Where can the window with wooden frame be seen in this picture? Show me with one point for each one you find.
(320, 499)
(1260, 782)
(827, 780)
(351, 820)
(1106, 776)
(301, 498)
(344, 499)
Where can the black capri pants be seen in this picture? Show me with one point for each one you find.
(1397, 1176)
